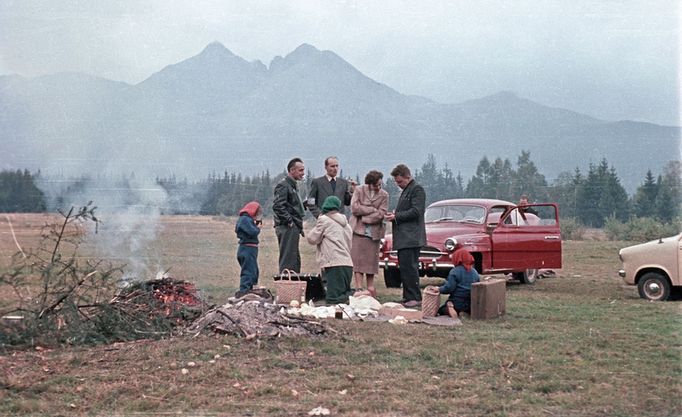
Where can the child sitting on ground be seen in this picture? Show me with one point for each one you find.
(458, 285)
(247, 230)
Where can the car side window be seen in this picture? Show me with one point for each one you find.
(494, 215)
(546, 215)
(543, 215)
(512, 218)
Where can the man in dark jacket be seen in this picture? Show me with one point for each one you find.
(329, 184)
(288, 214)
(409, 232)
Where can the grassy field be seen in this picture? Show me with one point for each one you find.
(580, 344)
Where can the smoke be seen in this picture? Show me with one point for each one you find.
(129, 210)
(130, 228)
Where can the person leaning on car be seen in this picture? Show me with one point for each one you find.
(409, 232)
(288, 215)
(523, 201)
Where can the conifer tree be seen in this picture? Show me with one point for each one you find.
(644, 200)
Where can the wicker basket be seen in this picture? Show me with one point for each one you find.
(290, 288)
(430, 303)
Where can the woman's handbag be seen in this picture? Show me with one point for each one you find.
(290, 287)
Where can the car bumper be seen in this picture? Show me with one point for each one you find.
(425, 265)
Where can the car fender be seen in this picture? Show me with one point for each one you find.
(643, 269)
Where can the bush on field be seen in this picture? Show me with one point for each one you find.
(639, 229)
(63, 298)
(571, 229)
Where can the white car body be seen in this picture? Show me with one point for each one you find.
(653, 266)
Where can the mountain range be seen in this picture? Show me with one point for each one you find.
(218, 112)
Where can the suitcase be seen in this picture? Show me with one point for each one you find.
(488, 299)
(314, 286)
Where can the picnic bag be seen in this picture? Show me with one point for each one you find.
(430, 303)
(290, 287)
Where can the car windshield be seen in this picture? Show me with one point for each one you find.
(455, 213)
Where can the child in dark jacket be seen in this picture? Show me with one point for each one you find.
(458, 284)
(247, 230)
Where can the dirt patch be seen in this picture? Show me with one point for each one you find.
(594, 234)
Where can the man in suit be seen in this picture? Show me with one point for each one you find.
(409, 232)
(329, 184)
(288, 213)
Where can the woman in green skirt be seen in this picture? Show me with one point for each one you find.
(332, 234)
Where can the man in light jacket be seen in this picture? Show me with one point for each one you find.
(332, 234)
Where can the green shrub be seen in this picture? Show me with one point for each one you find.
(571, 229)
(639, 229)
(64, 298)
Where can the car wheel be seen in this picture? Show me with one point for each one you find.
(392, 278)
(654, 286)
(529, 276)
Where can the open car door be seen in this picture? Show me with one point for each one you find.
(527, 237)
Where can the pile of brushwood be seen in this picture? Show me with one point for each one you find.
(59, 297)
(173, 300)
(255, 316)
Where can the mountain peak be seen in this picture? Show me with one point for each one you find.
(308, 55)
(305, 48)
(216, 48)
(306, 52)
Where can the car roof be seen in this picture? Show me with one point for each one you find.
(486, 202)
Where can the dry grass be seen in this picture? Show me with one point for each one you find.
(580, 344)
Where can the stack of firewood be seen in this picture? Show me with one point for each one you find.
(252, 317)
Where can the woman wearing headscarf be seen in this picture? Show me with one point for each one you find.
(332, 235)
(458, 284)
(368, 206)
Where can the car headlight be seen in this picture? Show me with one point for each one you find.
(450, 244)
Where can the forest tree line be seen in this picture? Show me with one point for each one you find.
(591, 198)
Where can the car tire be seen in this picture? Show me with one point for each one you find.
(392, 278)
(654, 286)
(529, 276)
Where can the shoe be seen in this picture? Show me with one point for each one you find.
(262, 293)
(412, 304)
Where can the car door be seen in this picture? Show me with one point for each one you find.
(677, 274)
(527, 237)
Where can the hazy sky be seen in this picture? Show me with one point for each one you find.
(610, 59)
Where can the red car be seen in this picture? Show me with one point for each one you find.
(503, 238)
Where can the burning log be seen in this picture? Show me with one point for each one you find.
(172, 298)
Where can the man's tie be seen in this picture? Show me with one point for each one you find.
(333, 184)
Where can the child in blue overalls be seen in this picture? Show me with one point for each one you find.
(247, 230)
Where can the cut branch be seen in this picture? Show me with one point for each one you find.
(9, 222)
(64, 296)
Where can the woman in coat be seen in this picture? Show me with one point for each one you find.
(332, 235)
(368, 206)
